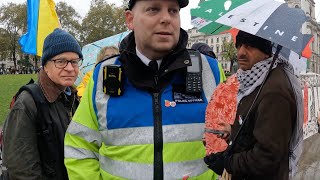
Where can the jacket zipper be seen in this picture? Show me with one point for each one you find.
(158, 137)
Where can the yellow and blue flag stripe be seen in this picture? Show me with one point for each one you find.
(42, 20)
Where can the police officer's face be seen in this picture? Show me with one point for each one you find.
(248, 56)
(156, 26)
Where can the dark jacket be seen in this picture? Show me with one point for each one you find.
(20, 152)
(142, 76)
(262, 149)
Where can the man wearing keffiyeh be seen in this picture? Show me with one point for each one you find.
(268, 141)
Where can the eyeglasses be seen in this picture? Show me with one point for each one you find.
(62, 63)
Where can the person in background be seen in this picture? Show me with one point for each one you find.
(23, 139)
(104, 53)
(205, 49)
(152, 127)
(270, 142)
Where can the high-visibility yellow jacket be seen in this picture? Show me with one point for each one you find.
(84, 82)
(140, 134)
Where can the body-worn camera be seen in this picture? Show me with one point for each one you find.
(113, 77)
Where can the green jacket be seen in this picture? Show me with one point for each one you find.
(20, 152)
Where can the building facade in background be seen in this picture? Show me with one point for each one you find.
(214, 41)
(310, 27)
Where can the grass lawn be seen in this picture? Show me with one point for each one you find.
(9, 86)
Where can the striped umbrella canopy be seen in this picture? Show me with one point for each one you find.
(207, 11)
(299, 62)
(271, 20)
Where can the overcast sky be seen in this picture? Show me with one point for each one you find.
(82, 7)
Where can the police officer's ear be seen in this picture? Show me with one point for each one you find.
(129, 19)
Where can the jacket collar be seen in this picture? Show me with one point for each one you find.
(128, 45)
(50, 90)
(141, 75)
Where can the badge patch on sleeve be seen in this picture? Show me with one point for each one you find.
(180, 96)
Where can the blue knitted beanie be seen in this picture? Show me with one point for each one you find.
(59, 41)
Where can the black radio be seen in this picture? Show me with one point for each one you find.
(194, 73)
(113, 77)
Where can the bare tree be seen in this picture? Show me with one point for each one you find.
(13, 20)
(102, 20)
(229, 53)
(69, 19)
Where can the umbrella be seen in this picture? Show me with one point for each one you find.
(90, 52)
(299, 62)
(208, 11)
(270, 20)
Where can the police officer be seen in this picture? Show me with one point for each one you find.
(152, 127)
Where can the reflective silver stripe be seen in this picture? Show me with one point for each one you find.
(84, 132)
(131, 170)
(209, 82)
(79, 153)
(144, 135)
(182, 169)
(101, 98)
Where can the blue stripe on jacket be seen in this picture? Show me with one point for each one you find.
(134, 109)
(215, 68)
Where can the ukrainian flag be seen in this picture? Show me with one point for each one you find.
(42, 20)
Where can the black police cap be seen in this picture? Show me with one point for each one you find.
(182, 3)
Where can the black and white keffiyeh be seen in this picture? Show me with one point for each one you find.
(250, 79)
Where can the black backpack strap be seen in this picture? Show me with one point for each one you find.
(14, 98)
(40, 101)
(44, 127)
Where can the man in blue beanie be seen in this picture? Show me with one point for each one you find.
(33, 146)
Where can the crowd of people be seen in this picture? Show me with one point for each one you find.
(22, 70)
(143, 108)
